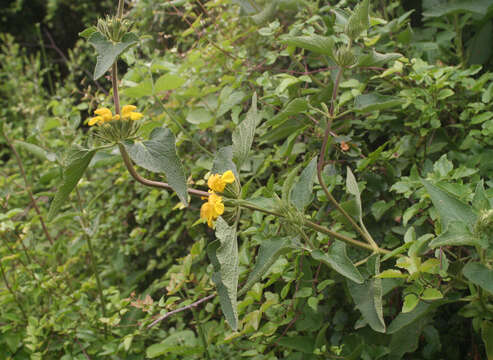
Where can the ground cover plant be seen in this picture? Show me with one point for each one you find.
(246, 179)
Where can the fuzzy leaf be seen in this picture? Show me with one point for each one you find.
(223, 254)
(78, 162)
(479, 275)
(158, 154)
(302, 191)
(316, 43)
(108, 51)
(267, 255)
(337, 259)
(244, 133)
(449, 207)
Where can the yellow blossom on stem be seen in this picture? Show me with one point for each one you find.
(218, 182)
(103, 115)
(129, 113)
(212, 209)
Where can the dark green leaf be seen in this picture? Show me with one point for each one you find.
(479, 275)
(476, 6)
(368, 299)
(223, 254)
(375, 101)
(407, 339)
(456, 234)
(108, 51)
(158, 154)
(36, 150)
(78, 161)
(377, 59)
(302, 192)
(337, 259)
(487, 335)
(480, 200)
(268, 253)
(449, 207)
(316, 43)
(294, 107)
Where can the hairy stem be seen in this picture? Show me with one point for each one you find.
(119, 12)
(321, 164)
(114, 82)
(152, 183)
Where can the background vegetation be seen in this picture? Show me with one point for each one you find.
(415, 105)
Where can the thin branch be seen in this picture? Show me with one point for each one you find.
(192, 305)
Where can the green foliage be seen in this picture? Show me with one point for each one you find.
(379, 249)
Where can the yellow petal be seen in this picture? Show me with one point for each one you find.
(136, 116)
(116, 117)
(127, 109)
(105, 113)
(95, 120)
(228, 177)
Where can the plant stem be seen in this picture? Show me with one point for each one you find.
(14, 295)
(316, 227)
(458, 40)
(28, 187)
(321, 163)
(152, 183)
(114, 82)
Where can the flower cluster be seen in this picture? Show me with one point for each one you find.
(104, 115)
(214, 206)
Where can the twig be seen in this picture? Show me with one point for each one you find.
(190, 306)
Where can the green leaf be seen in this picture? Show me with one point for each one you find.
(158, 154)
(268, 253)
(223, 254)
(449, 207)
(480, 7)
(368, 299)
(180, 343)
(244, 133)
(78, 162)
(391, 274)
(377, 59)
(359, 21)
(284, 130)
(480, 200)
(487, 335)
(431, 294)
(480, 275)
(301, 194)
(304, 344)
(288, 184)
(168, 82)
(336, 257)
(316, 43)
(410, 302)
(201, 117)
(35, 150)
(108, 51)
(223, 161)
(456, 234)
(294, 107)
(144, 88)
(375, 101)
(407, 339)
(352, 188)
(404, 319)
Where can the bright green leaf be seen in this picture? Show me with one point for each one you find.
(168, 82)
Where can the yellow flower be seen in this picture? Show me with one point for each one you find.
(129, 113)
(212, 209)
(103, 115)
(218, 182)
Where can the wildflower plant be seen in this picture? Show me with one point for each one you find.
(231, 194)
